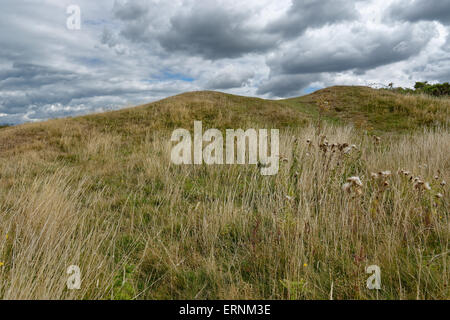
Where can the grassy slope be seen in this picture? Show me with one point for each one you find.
(70, 185)
(378, 111)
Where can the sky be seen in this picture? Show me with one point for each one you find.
(127, 53)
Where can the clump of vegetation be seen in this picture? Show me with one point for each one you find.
(437, 89)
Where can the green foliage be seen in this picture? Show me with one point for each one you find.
(433, 89)
(437, 89)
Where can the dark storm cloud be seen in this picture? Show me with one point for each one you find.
(213, 33)
(228, 80)
(362, 50)
(131, 10)
(287, 85)
(421, 10)
(26, 75)
(30, 84)
(355, 50)
(304, 14)
(49, 92)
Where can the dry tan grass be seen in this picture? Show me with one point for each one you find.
(45, 228)
(109, 200)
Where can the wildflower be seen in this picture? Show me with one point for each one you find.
(289, 198)
(418, 184)
(384, 174)
(443, 183)
(324, 146)
(404, 172)
(374, 175)
(347, 150)
(305, 265)
(346, 187)
(439, 195)
(356, 181)
(350, 148)
(1, 264)
(353, 184)
(343, 146)
(436, 177)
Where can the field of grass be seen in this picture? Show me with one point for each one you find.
(100, 192)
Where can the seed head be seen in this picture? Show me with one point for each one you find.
(347, 150)
(374, 175)
(356, 181)
(347, 187)
(384, 174)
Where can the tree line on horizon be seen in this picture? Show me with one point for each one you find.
(437, 89)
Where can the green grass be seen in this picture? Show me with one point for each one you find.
(379, 111)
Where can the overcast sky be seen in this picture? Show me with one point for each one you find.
(132, 52)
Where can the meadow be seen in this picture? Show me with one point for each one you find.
(362, 181)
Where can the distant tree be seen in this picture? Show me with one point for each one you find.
(420, 85)
(438, 89)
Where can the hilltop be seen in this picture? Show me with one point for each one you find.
(363, 107)
(377, 111)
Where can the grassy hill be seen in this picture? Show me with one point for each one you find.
(377, 111)
(100, 192)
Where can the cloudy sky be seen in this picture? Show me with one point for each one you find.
(133, 52)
